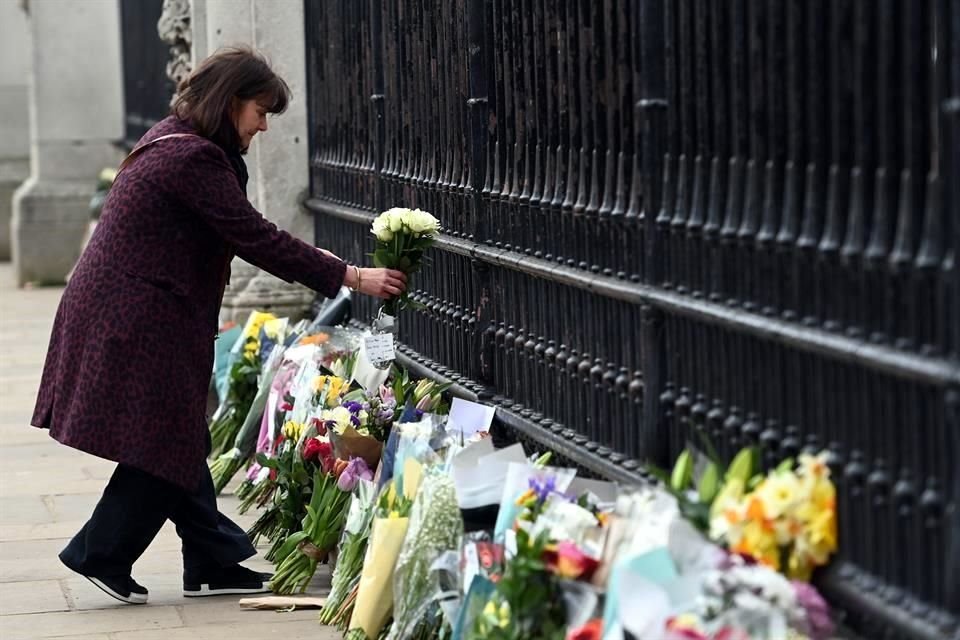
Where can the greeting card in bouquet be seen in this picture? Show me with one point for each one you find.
(480, 472)
(469, 418)
(481, 592)
(601, 492)
(365, 373)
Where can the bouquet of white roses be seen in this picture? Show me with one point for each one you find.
(403, 235)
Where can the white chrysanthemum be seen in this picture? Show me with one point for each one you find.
(340, 417)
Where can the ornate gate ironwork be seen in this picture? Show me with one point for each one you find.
(146, 87)
(736, 216)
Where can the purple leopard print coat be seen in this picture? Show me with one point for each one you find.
(130, 357)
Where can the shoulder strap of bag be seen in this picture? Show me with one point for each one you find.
(138, 150)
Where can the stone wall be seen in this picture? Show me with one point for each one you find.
(277, 159)
(15, 123)
(76, 117)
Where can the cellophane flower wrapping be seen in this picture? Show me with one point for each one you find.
(435, 527)
(375, 592)
(351, 550)
(226, 466)
(241, 385)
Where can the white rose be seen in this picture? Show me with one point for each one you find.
(381, 229)
(421, 222)
(394, 217)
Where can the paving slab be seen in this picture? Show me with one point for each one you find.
(37, 596)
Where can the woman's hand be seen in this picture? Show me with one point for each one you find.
(380, 283)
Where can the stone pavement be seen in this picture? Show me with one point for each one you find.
(47, 491)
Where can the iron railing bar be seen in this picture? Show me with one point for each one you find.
(935, 371)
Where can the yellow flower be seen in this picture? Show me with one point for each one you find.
(497, 615)
(334, 387)
(779, 493)
(394, 514)
(292, 430)
(391, 494)
(256, 320)
(822, 531)
(319, 383)
(728, 511)
(799, 567)
(337, 386)
(525, 497)
(758, 540)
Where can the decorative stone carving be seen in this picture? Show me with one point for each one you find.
(174, 29)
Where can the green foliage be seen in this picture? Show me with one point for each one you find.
(532, 595)
(695, 496)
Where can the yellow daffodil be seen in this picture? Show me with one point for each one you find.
(779, 493)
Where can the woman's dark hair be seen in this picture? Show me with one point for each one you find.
(206, 97)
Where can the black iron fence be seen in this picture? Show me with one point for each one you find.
(664, 216)
(146, 88)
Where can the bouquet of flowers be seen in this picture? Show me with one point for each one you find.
(424, 395)
(226, 466)
(258, 484)
(527, 601)
(242, 385)
(392, 516)
(435, 527)
(403, 235)
(353, 546)
(293, 485)
(349, 426)
(299, 554)
(742, 600)
(787, 522)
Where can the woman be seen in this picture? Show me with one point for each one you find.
(130, 357)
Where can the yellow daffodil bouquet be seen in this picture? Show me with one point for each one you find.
(403, 236)
(788, 521)
(241, 386)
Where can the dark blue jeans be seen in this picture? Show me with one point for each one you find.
(131, 512)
